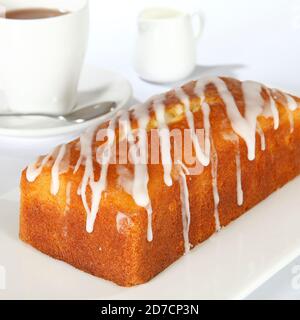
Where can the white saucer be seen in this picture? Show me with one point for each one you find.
(95, 85)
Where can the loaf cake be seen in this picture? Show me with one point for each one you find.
(102, 205)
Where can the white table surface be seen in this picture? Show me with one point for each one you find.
(249, 39)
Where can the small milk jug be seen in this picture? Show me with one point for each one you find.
(167, 44)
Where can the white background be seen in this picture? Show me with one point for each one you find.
(249, 39)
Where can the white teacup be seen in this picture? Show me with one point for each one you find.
(166, 45)
(41, 59)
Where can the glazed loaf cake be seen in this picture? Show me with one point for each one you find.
(126, 221)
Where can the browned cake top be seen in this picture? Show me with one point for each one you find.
(208, 109)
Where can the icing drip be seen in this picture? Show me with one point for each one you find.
(274, 111)
(34, 170)
(125, 123)
(141, 177)
(199, 90)
(79, 190)
(138, 152)
(206, 113)
(244, 127)
(99, 186)
(149, 227)
(262, 136)
(139, 188)
(55, 170)
(164, 135)
(85, 141)
(184, 98)
(214, 173)
(291, 119)
(58, 155)
(239, 189)
(185, 207)
(253, 108)
(292, 104)
(86, 155)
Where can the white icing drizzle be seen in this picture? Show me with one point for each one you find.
(125, 122)
(199, 90)
(184, 98)
(206, 113)
(262, 136)
(253, 108)
(139, 188)
(86, 155)
(185, 208)
(291, 120)
(214, 173)
(141, 176)
(34, 170)
(149, 228)
(164, 135)
(55, 171)
(291, 102)
(292, 105)
(245, 127)
(79, 189)
(183, 167)
(140, 181)
(85, 142)
(239, 189)
(99, 186)
(274, 110)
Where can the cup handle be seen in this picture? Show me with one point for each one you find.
(198, 30)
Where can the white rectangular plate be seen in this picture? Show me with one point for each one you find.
(230, 265)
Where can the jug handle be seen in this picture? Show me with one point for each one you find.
(200, 21)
